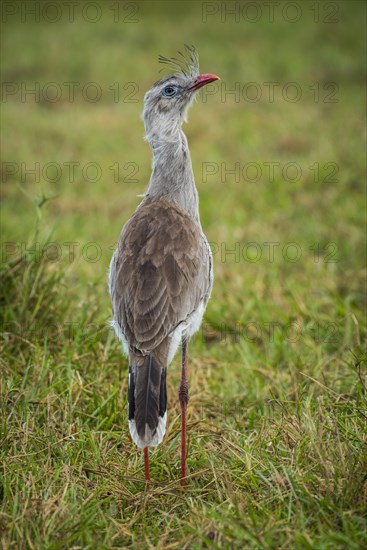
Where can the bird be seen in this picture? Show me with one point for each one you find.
(161, 273)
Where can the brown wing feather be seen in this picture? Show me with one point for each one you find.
(161, 273)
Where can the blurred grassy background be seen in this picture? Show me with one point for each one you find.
(278, 373)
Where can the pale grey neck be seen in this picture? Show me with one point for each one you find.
(172, 176)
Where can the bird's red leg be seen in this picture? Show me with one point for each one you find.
(146, 464)
(183, 394)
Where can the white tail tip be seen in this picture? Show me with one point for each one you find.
(149, 440)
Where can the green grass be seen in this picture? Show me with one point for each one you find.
(277, 415)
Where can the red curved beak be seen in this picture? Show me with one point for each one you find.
(202, 80)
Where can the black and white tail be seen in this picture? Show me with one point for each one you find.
(147, 403)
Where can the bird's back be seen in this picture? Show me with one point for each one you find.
(160, 274)
(160, 282)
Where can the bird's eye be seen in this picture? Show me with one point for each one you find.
(169, 91)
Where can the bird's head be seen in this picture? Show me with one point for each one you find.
(166, 104)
